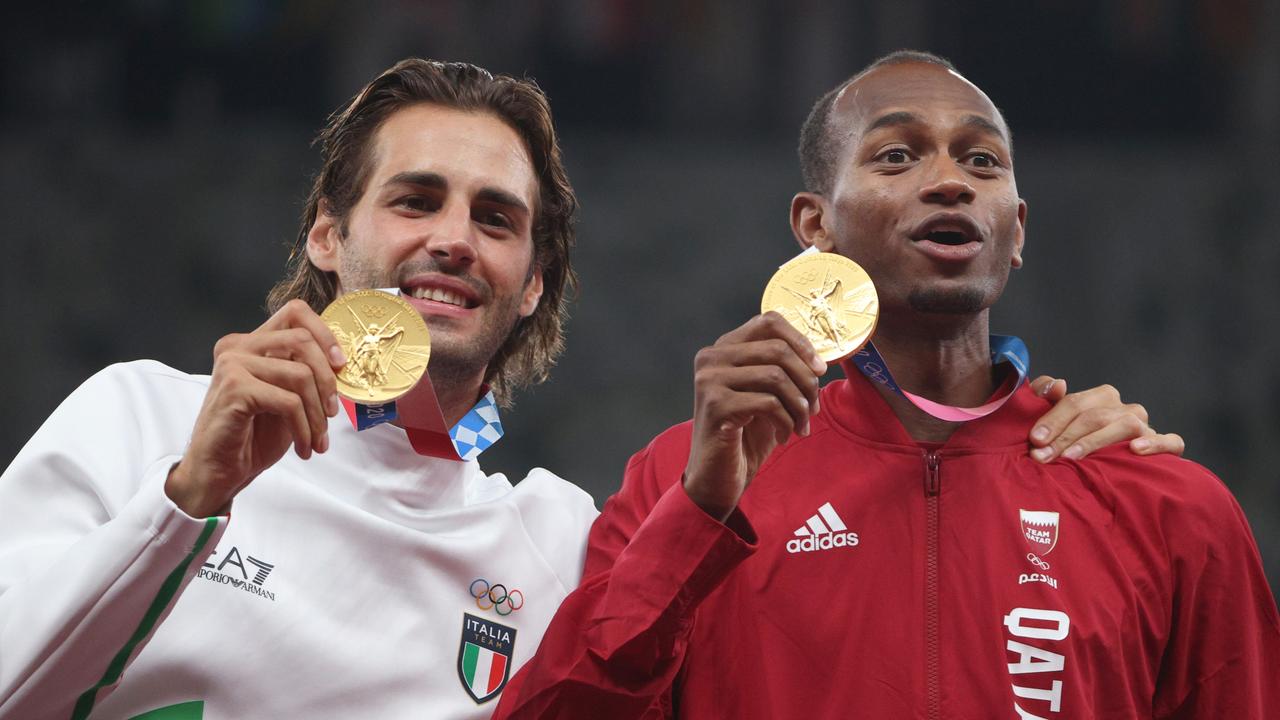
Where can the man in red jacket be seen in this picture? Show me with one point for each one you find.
(889, 562)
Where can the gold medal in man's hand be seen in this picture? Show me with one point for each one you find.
(386, 343)
(827, 297)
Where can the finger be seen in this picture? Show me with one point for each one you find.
(1049, 388)
(774, 351)
(300, 345)
(1140, 412)
(229, 343)
(297, 314)
(1158, 443)
(762, 435)
(1099, 427)
(297, 378)
(772, 325)
(1050, 425)
(1094, 429)
(770, 380)
(265, 398)
(733, 411)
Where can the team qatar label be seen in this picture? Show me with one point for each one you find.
(1040, 529)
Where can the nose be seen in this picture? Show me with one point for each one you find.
(947, 186)
(449, 239)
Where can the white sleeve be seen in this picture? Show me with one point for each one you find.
(92, 552)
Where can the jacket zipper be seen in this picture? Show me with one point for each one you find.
(933, 681)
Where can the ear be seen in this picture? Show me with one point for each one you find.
(532, 292)
(807, 213)
(323, 240)
(1021, 237)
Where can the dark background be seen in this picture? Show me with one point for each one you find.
(155, 156)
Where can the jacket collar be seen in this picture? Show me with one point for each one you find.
(855, 406)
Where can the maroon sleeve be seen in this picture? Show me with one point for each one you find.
(617, 642)
(1223, 654)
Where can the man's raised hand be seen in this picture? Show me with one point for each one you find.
(271, 388)
(752, 389)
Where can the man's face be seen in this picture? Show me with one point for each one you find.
(447, 217)
(924, 196)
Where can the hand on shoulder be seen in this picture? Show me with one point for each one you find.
(1082, 422)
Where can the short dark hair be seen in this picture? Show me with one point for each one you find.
(818, 147)
(531, 349)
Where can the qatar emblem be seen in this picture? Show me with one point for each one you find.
(1040, 528)
(484, 657)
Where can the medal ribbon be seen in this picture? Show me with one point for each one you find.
(419, 413)
(1004, 349)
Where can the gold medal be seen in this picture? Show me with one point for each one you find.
(386, 343)
(829, 298)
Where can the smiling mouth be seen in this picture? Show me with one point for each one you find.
(440, 295)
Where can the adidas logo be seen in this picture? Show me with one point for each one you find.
(823, 531)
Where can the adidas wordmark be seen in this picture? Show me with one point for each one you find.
(823, 531)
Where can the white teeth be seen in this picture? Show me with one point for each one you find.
(439, 295)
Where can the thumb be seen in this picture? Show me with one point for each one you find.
(1049, 388)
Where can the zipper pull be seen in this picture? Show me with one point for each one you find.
(932, 476)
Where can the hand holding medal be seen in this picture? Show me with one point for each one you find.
(759, 383)
(270, 388)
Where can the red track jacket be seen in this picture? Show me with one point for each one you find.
(865, 577)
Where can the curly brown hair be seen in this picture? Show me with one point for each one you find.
(528, 353)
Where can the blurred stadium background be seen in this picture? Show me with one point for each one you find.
(156, 154)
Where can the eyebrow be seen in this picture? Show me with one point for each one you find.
(893, 119)
(437, 181)
(981, 123)
(417, 177)
(902, 117)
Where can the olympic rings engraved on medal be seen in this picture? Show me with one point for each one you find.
(499, 599)
(1035, 560)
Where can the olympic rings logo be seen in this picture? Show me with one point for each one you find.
(496, 597)
(1035, 560)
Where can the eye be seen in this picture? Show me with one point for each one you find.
(983, 160)
(416, 203)
(895, 156)
(493, 218)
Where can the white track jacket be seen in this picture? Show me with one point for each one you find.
(342, 586)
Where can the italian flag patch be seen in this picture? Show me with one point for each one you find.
(484, 657)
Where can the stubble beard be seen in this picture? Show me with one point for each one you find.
(957, 301)
(461, 361)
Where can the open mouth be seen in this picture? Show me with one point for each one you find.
(948, 228)
(947, 237)
(440, 295)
